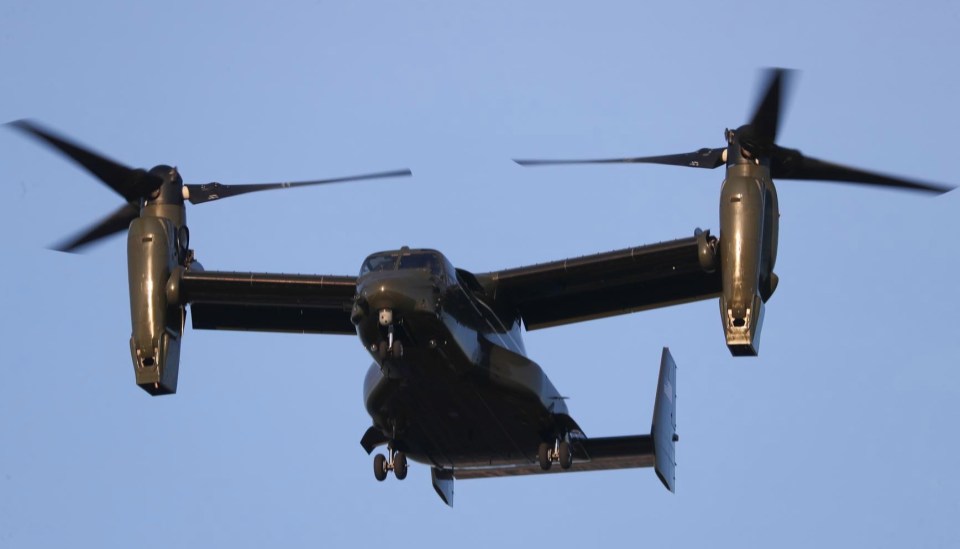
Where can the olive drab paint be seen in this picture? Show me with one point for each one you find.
(748, 237)
(155, 248)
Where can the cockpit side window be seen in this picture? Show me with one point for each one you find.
(379, 262)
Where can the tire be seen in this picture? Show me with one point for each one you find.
(400, 465)
(380, 467)
(543, 454)
(397, 350)
(566, 455)
(382, 350)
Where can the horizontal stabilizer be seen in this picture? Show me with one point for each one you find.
(655, 450)
(591, 454)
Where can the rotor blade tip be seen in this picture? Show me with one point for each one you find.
(22, 124)
(62, 248)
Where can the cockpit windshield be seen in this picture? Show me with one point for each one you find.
(379, 262)
(426, 261)
(388, 261)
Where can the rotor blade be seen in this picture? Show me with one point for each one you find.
(207, 192)
(766, 117)
(792, 164)
(113, 223)
(704, 158)
(129, 183)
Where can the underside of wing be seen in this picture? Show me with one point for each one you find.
(269, 302)
(607, 284)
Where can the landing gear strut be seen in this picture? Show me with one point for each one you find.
(396, 462)
(391, 346)
(560, 452)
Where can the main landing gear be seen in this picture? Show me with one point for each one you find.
(560, 451)
(397, 462)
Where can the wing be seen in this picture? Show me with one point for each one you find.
(269, 302)
(607, 284)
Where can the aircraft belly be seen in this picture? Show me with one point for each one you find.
(451, 422)
(463, 402)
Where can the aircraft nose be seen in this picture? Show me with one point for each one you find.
(400, 295)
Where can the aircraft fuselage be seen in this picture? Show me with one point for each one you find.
(457, 390)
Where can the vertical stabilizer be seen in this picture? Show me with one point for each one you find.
(443, 484)
(664, 429)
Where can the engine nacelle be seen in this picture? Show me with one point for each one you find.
(152, 253)
(741, 248)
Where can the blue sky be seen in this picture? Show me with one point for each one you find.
(840, 433)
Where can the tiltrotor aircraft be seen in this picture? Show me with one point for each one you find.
(450, 385)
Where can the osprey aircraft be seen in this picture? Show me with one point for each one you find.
(450, 384)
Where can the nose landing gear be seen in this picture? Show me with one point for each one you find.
(396, 462)
(391, 347)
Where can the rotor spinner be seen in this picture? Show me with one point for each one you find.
(167, 200)
(171, 191)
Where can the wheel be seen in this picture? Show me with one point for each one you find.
(382, 350)
(397, 350)
(380, 467)
(543, 453)
(566, 455)
(400, 465)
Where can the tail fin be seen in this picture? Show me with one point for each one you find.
(595, 454)
(664, 429)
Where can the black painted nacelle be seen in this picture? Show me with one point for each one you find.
(152, 254)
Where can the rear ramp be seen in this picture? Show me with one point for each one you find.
(657, 450)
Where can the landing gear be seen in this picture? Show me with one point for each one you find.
(397, 462)
(400, 465)
(382, 350)
(391, 347)
(565, 455)
(560, 451)
(380, 467)
(545, 455)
